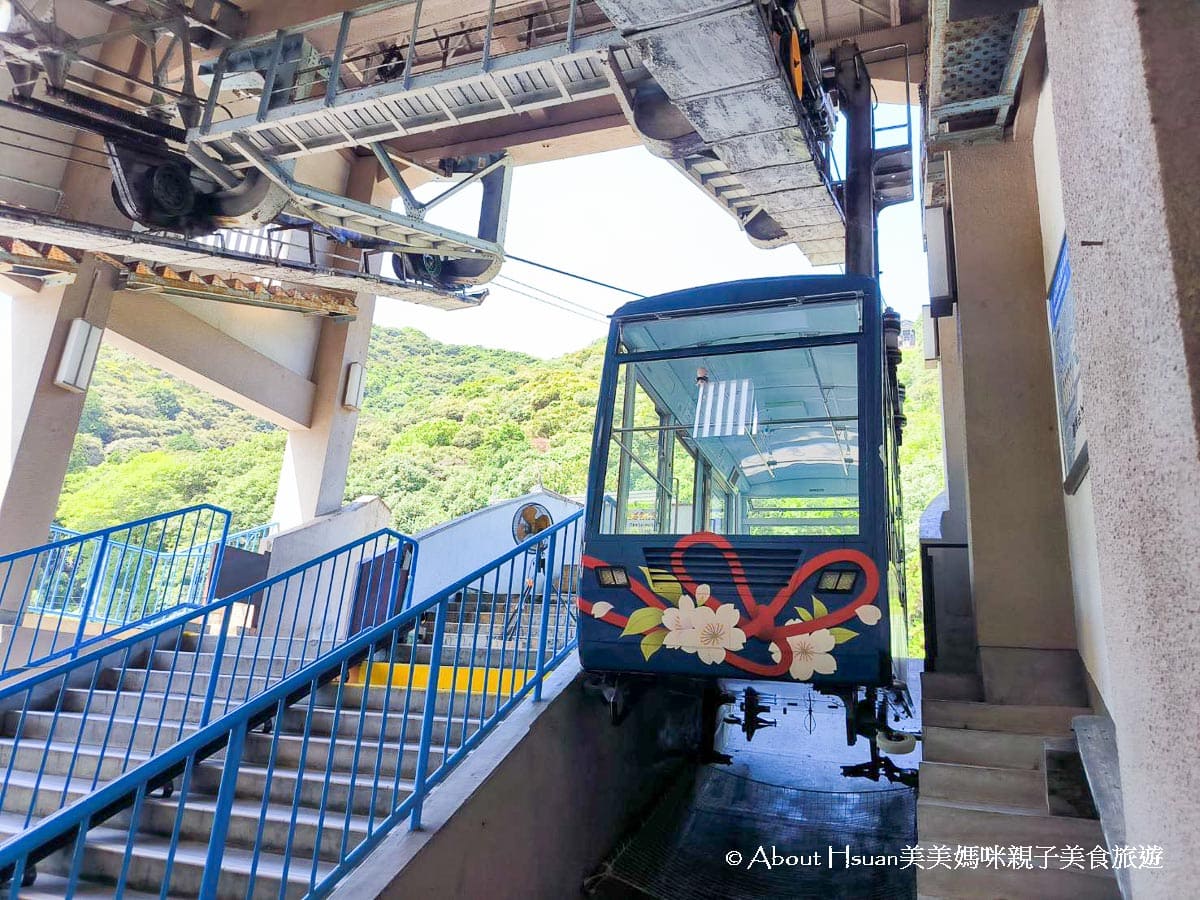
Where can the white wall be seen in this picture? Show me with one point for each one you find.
(322, 600)
(1081, 523)
(457, 548)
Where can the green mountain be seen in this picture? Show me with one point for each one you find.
(444, 430)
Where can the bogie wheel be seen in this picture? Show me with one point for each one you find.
(422, 266)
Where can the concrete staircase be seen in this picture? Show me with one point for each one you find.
(299, 842)
(984, 784)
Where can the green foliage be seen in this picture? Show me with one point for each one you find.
(921, 470)
(444, 430)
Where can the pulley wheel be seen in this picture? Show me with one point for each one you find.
(171, 190)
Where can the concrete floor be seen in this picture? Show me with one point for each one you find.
(783, 802)
(789, 756)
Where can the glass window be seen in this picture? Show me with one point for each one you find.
(774, 433)
(798, 317)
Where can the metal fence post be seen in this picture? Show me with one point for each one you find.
(225, 796)
(545, 624)
(210, 102)
(335, 62)
(90, 597)
(571, 26)
(431, 690)
(218, 654)
(268, 91)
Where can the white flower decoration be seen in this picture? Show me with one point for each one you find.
(706, 632)
(601, 609)
(869, 613)
(677, 620)
(810, 653)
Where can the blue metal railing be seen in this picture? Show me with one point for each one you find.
(67, 728)
(350, 756)
(251, 538)
(83, 588)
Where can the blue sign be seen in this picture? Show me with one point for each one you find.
(1071, 430)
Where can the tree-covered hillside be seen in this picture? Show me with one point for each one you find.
(921, 470)
(444, 430)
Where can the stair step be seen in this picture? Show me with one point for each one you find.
(1044, 720)
(199, 662)
(314, 784)
(127, 703)
(159, 818)
(288, 747)
(990, 884)
(1025, 788)
(352, 698)
(951, 686)
(105, 852)
(521, 656)
(54, 887)
(59, 757)
(974, 824)
(974, 747)
(321, 721)
(121, 731)
(178, 683)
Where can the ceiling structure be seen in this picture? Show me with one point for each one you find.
(436, 90)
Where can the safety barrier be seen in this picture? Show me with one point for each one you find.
(251, 538)
(331, 779)
(83, 588)
(111, 707)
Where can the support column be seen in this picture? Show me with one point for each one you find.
(1020, 573)
(313, 479)
(45, 418)
(1127, 148)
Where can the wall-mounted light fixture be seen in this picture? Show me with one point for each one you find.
(356, 386)
(939, 251)
(929, 331)
(79, 356)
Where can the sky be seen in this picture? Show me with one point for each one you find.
(632, 220)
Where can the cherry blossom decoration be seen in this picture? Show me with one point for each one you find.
(682, 616)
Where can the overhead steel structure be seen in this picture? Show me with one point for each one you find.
(207, 131)
(976, 58)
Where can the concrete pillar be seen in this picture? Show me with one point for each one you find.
(313, 479)
(1020, 573)
(45, 418)
(1127, 147)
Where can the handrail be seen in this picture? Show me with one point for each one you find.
(360, 758)
(82, 589)
(381, 53)
(202, 658)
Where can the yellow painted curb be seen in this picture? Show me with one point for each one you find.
(487, 680)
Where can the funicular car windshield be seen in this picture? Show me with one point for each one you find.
(738, 420)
